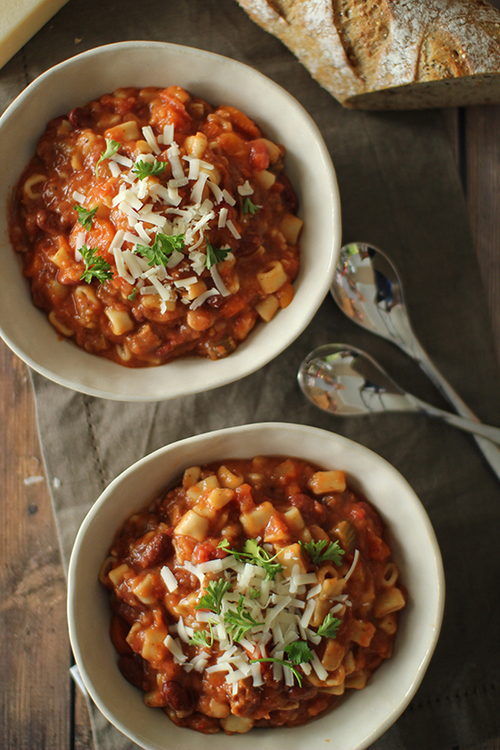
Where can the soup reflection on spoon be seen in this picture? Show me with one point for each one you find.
(346, 381)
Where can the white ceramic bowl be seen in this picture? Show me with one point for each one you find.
(365, 714)
(218, 80)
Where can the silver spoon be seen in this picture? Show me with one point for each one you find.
(345, 381)
(367, 289)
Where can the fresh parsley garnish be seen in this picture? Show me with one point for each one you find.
(95, 266)
(110, 150)
(237, 623)
(161, 249)
(203, 637)
(85, 216)
(323, 550)
(329, 626)
(284, 663)
(255, 554)
(298, 653)
(253, 593)
(148, 168)
(215, 254)
(214, 593)
(132, 294)
(249, 207)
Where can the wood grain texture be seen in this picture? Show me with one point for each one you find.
(483, 200)
(35, 710)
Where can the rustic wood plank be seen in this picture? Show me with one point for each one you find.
(34, 689)
(483, 195)
(82, 729)
(451, 117)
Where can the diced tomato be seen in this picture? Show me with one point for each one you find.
(357, 513)
(241, 122)
(118, 104)
(243, 496)
(259, 155)
(204, 552)
(377, 548)
(234, 145)
(100, 236)
(171, 111)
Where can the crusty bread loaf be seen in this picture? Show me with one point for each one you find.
(392, 54)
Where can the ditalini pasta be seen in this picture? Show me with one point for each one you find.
(253, 594)
(153, 226)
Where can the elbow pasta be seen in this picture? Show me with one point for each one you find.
(175, 639)
(112, 182)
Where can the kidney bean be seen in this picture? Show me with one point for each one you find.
(133, 668)
(79, 118)
(127, 613)
(308, 506)
(48, 221)
(153, 551)
(288, 195)
(178, 697)
(249, 243)
(305, 692)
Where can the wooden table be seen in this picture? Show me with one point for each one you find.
(41, 708)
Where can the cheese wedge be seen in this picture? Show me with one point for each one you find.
(20, 20)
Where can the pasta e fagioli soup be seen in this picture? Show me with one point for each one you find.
(153, 225)
(254, 593)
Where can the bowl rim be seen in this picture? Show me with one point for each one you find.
(270, 427)
(98, 383)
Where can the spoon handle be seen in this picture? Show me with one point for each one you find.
(478, 429)
(491, 452)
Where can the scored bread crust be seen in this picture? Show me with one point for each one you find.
(392, 54)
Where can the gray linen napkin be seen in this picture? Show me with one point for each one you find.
(399, 190)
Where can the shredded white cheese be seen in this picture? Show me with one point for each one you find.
(175, 649)
(245, 189)
(149, 136)
(228, 197)
(353, 565)
(123, 160)
(169, 578)
(281, 617)
(202, 298)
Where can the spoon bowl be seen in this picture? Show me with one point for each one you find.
(367, 288)
(346, 381)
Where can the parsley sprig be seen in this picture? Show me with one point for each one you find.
(161, 249)
(110, 150)
(329, 626)
(95, 266)
(85, 216)
(145, 169)
(298, 652)
(255, 554)
(213, 596)
(239, 622)
(215, 254)
(323, 550)
(249, 207)
(203, 637)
